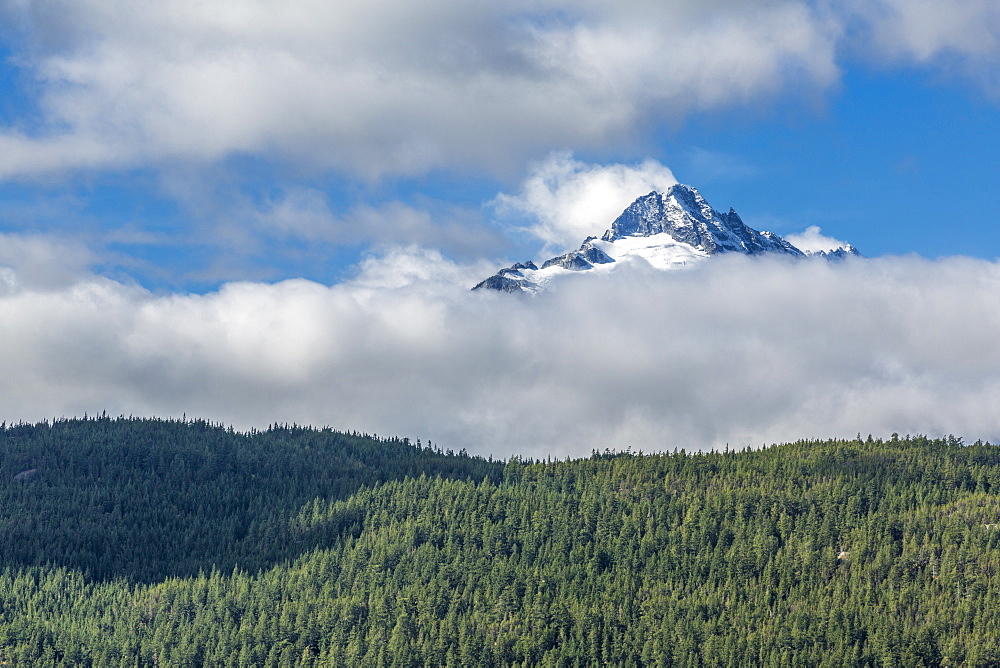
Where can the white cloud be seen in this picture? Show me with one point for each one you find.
(306, 214)
(737, 350)
(566, 200)
(388, 87)
(812, 240)
(923, 31)
(952, 38)
(415, 268)
(404, 87)
(44, 262)
(302, 213)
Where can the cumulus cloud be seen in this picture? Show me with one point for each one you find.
(564, 200)
(388, 87)
(736, 350)
(812, 240)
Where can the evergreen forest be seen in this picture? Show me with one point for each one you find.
(145, 542)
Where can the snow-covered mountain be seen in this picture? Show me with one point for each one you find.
(669, 230)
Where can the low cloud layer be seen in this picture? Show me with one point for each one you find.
(405, 87)
(735, 351)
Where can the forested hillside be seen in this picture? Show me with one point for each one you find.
(178, 543)
(147, 499)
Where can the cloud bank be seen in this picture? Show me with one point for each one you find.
(404, 87)
(735, 351)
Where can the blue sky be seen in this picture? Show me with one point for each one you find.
(191, 155)
(879, 129)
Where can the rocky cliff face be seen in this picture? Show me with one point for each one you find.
(684, 215)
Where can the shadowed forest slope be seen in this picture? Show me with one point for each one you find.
(147, 499)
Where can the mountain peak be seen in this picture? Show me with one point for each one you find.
(668, 229)
(683, 214)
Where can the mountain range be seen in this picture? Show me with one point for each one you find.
(669, 230)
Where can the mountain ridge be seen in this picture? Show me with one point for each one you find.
(668, 229)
